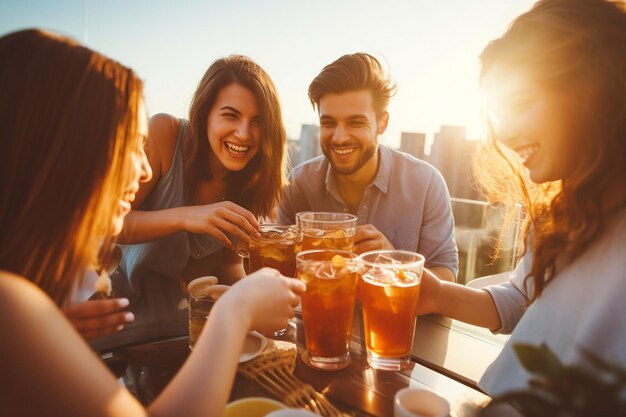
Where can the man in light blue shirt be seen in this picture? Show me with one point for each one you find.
(401, 202)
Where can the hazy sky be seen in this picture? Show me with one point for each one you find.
(431, 47)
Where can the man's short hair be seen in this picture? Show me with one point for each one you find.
(352, 72)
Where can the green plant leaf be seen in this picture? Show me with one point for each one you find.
(613, 369)
(538, 359)
(559, 390)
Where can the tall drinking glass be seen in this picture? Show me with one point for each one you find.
(321, 230)
(389, 288)
(202, 292)
(328, 305)
(276, 248)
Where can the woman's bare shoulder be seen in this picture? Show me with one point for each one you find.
(163, 134)
(26, 304)
(18, 292)
(40, 348)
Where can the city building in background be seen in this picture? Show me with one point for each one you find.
(451, 153)
(293, 154)
(413, 144)
(309, 144)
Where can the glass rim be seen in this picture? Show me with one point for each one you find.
(277, 225)
(420, 258)
(213, 293)
(199, 280)
(282, 229)
(349, 216)
(353, 256)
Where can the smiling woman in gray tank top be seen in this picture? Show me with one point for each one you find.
(213, 176)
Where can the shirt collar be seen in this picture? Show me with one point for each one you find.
(381, 181)
(384, 169)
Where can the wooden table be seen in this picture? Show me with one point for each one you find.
(443, 360)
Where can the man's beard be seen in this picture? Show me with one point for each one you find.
(369, 152)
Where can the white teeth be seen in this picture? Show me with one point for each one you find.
(527, 151)
(237, 148)
(343, 151)
(128, 197)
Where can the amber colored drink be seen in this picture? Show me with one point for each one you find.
(274, 251)
(276, 247)
(322, 230)
(196, 324)
(389, 289)
(202, 293)
(334, 239)
(389, 314)
(328, 305)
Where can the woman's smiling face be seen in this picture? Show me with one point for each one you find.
(533, 122)
(234, 127)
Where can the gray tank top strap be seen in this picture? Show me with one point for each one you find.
(168, 255)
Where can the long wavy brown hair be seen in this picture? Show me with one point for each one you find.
(577, 49)
(256, 187)
(69, 120)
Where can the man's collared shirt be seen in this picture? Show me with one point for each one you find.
(408, 202)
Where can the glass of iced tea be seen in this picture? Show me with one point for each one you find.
(203, 292)
(275, 248)
(389, 289)
(321, 230)
(328, 305)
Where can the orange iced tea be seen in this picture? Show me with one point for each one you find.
(389, 313)
(319, 239)
(202, 293)
(275, 248)
(328, 305)
(321, 230)
(389, 289)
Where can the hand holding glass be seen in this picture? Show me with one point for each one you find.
(322, 230)
(276, 248)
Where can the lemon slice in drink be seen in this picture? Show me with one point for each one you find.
(273, 253)
(338, 261)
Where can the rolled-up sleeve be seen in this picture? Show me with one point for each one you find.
(436, 241)
(511, 297)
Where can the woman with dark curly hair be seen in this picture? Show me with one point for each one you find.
(556, 92)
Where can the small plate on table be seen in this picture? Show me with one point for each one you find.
(254, 344)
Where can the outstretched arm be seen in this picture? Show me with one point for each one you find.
(262, 301)
(457, 301)
(50, 367)
(218, 220)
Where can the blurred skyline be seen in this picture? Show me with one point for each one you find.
(430, 48)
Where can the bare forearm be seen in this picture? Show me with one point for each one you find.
(443, 273)
(469, 305)
(217, 350)
(142, 226)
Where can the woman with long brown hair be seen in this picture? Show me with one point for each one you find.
(72, 158)
(556, 91)
(214, 175)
